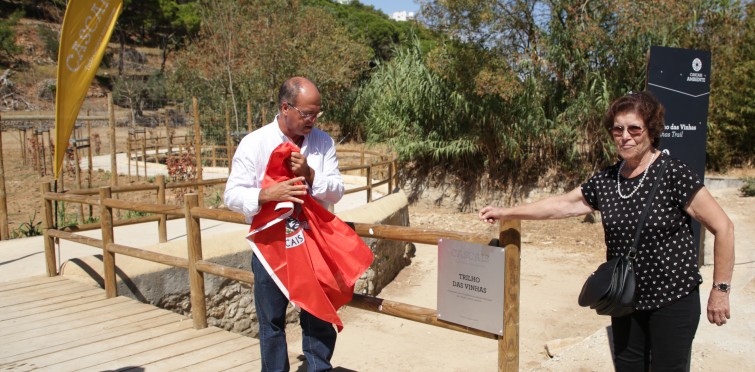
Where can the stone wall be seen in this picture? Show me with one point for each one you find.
(229, 303)
(390, 256)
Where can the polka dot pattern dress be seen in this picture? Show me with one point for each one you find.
(666, 263)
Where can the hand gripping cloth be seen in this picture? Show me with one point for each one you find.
(313, 256)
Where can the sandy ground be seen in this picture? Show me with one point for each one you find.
(556, 258)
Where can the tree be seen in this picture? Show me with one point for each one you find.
(730, 36)
(373, 27)
(175, 23)
(245, 51)
(139, 93)
(560, 62)
(164, 23)
(8, 47)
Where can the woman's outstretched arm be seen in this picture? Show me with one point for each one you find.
(566, 205)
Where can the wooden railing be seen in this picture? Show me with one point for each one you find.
(142, 147)
(509, 237)
(83, 196)
(385, 166)
(370, 170)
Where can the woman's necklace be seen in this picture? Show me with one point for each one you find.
(618, 178)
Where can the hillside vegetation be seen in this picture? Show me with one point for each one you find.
(479, 95)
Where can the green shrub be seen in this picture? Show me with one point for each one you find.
(215, 200)
(28, 229)
(66, 219)
(136, 214)
(748, 189)
(50, 38)
(92, 219)
(8, 47)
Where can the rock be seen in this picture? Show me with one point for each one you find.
(231, 313)
(242, 326)
(555, 347)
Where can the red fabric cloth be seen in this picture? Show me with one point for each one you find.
(313, 256)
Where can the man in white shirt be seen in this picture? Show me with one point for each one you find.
(299, 105)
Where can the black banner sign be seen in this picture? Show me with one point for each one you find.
(680, 79)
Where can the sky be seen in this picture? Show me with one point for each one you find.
(390, 6)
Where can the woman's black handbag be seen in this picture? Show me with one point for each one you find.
(609, 290)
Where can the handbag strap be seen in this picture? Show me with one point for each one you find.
(633, 249)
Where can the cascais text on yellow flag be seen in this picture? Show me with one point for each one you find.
(86, 30)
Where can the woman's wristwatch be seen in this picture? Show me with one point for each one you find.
(722, 286)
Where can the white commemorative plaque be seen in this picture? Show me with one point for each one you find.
(470, 285)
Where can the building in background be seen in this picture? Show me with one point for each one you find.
(402, 16)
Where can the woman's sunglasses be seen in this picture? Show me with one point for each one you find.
(634, 130)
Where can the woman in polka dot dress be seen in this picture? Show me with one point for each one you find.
(658, 335)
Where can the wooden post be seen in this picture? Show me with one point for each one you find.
(228, 141)
(78, 176)
(198, 149)
(144, 154)
(390, 178)
(20, 142)
(369, 184)
(167, 132)
(50, 262)
(249, 117)
(108, 257)
(4, 231)
(162, 225)
(22, 139)
(89, 158)
(113, 163)
(508, 345)
(136, 159)
(128, 156)
(361, 161)
(395, 172)
(156, 137)
(52, 153)
(196, 277)
(37, 165)
(43, 157)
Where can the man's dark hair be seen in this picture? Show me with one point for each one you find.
(643, 104)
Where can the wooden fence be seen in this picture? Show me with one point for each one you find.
(378, 169)
(84, 196)
(509, 237)
(376, 173)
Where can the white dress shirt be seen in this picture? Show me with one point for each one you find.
(250, 161)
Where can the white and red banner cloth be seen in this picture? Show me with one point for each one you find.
(313, 256)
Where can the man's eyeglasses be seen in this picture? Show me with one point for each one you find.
(634, 130)
(310, 116)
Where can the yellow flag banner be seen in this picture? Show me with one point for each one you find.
(86, 30)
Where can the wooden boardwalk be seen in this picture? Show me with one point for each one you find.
(59, 324)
